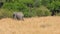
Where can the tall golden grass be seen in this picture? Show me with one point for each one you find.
(34, 25)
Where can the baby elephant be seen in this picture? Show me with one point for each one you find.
(18, 15)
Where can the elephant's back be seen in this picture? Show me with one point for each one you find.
(18, 13)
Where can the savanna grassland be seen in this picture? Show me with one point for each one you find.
(34, 25)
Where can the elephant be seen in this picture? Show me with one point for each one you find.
(18, 15)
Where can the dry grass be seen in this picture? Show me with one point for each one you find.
(34, 25)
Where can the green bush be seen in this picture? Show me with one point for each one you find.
(14, 6)
(5, 13)
(27, 13)
(42, 11)
(57, 14)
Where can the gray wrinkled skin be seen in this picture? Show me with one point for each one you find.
(18, 15)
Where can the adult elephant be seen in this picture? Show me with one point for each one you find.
(18, 15)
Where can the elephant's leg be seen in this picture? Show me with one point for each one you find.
(23, 18)
(14, 16)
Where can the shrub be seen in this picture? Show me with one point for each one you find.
(27, 13)
(14, 6)
(42, 11)
(57, 14)
(5, 13)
